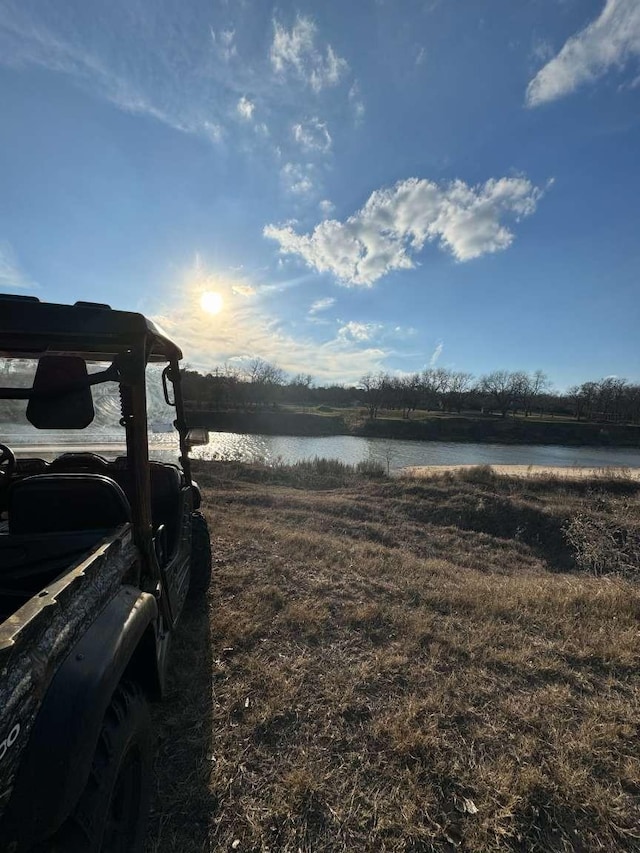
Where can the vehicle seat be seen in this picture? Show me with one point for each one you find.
(80, 463)
(165, 485)
(51, 503)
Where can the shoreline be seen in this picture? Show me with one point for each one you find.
(573, 472)
(461, 429)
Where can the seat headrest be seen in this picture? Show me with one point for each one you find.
(50, 503)
(79, 462)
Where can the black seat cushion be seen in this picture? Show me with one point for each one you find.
(48, 503)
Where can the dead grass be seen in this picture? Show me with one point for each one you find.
(405, 666)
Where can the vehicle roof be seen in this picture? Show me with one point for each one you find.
(29, 327)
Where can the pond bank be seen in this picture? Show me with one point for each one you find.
(478, 429)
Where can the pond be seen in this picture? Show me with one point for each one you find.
(391, 453)
(399, 454)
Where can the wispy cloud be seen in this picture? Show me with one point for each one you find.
(151, 78)
(326, 207)
(297, 179)
(177, 68)
(297, 50)
(435, 355)
(611, 41)
(245, 108)
(12, 275)
(247, 328)
(541, 51)
(312, 135)
(357, 103)
(354, 331)
(322, 305)
(242, 289)
(395, 223)
(225, 44)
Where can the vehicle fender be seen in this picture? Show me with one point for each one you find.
(57, 759)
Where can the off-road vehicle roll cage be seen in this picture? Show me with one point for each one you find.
(91, 331)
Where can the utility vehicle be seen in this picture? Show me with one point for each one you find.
(100, 546)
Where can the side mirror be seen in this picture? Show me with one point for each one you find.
(169, 398)
(197, 436)
(61, 394)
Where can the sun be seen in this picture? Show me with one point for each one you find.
(211, 302)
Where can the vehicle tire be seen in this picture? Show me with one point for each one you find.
(200, 575)
(111, 816)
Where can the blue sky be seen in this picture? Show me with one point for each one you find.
(381, 184)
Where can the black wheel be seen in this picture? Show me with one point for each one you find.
(200, 556)
(111, 816)
(7, 461)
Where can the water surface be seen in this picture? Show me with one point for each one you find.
(396, 453)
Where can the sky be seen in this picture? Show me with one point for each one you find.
(334, 187)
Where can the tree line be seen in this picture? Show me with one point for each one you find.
(262, 384)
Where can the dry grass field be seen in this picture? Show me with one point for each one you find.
(407, 665)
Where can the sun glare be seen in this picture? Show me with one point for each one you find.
(211, 302)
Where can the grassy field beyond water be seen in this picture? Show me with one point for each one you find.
(407, 665)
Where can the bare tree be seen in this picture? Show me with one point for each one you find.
(611, 393)
(302, 380)
(262, 372)
(409, 392)
(527, 387)
(584, 399)
(375, 387)
(299, 389)
(434, 382)
(264, 381)
(459, 385)
(501, 387)
(229, 387)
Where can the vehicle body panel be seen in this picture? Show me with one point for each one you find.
(55, 764)
(36, 638)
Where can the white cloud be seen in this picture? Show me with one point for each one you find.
(296, 49)
(354, 331)
(435, 355)
(297, 179)
(322, 305)
(395, 223)
(610, 41)
(245, 108)
(312, 135)
(421, 55)
(326, 207)
(12, 276)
